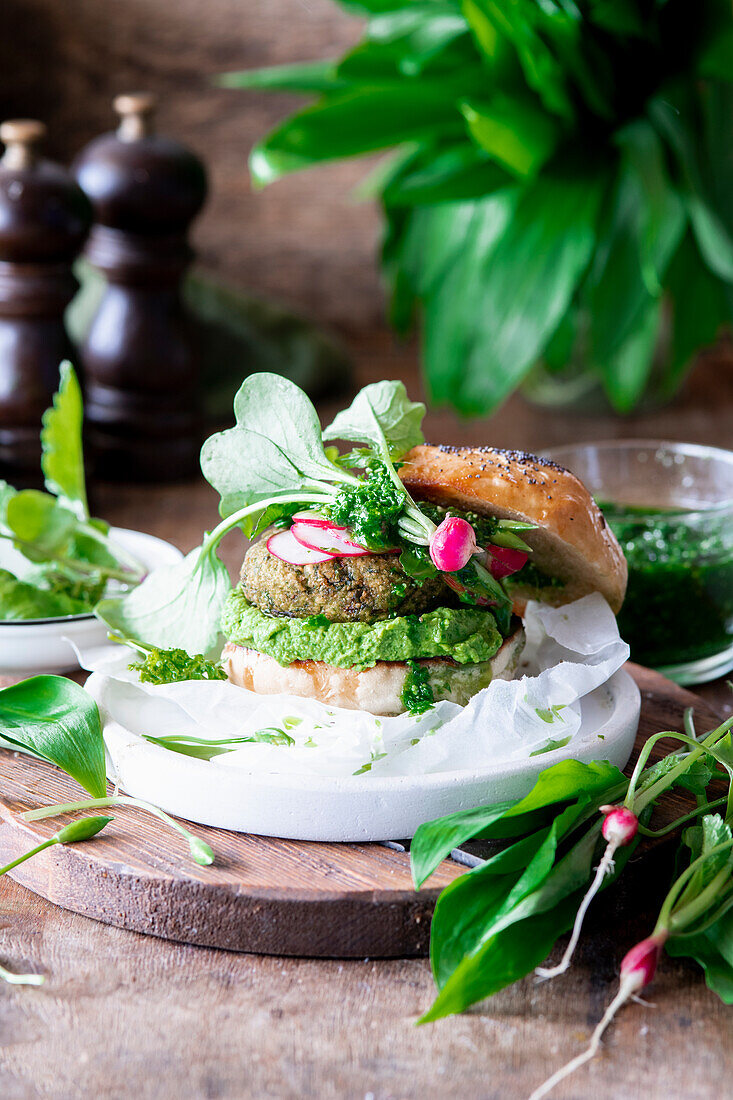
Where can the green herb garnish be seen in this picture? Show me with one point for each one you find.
(417, 694)
(203, 748)
(170, 666)
(372, 509)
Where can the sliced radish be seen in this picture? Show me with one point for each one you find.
(286, 547)
(330, 540)
(316, 519)
(503, 561)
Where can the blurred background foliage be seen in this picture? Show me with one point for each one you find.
(559, 199)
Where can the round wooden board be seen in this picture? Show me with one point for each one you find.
(263, 895)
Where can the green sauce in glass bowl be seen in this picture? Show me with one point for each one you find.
(679, 599)
(670, 506)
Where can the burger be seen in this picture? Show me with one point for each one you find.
(325, 612)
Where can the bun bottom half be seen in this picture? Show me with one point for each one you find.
(378, 689)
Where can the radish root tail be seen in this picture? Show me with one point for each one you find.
(628, 988)
(605, 867)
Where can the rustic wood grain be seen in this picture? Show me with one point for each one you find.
(263, 894)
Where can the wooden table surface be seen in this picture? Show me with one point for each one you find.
(124, 1015)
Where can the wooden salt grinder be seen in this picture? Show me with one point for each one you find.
(44, 218)
(139, 355)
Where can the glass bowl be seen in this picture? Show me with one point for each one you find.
(671, 507)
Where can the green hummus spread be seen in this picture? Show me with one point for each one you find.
(469, 635)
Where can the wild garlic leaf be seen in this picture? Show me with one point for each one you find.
(703, 838)
(509, 956)
(551, 745)
(477, 949)
(275, 446)
(713, 950)
(176, 607)
(471, 912)
(205, 749)
(62, 457)
(54, 718)
(381, 413)
(563, 782)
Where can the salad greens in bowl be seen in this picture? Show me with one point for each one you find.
(56, 560)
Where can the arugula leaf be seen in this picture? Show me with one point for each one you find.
(275, 446)
(380, 414)
(54, 718)
(62, 457)
(176, 607)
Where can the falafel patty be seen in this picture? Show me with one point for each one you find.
(365, 589)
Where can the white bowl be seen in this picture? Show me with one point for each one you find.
(354, 808)
(42, 645)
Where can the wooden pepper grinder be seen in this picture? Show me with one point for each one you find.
(44, 218)
(139, 355)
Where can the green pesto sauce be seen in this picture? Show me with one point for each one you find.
(417, 694)
(468, 635)
(679, 599)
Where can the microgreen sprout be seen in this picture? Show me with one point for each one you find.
(199, 849)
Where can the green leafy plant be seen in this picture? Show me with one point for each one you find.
(199, 849)
(560, 189)
(54, 718)
(71, 558)
(57, 720)
(497, 923)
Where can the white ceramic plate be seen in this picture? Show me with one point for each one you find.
(41, 645)
(356, 808)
